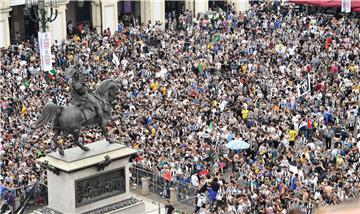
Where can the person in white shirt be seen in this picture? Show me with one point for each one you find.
(195, 180)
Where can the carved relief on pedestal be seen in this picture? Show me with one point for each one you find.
(104, 185)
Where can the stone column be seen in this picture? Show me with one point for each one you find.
(109, 15)
(173, 195)
(158, 11)
(58, 26)
(145, 186)
(241, 5)
(189, 5)
(143, 8)
(152, 11)
(201, 6)
(96, 15)
(4, 24)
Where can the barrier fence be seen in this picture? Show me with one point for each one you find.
(144, 182)
(181, 194)
(15, 200)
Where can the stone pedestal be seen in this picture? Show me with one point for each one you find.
(96, 181)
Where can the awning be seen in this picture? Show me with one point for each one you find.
(355, 4)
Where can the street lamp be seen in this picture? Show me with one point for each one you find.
(38, 6)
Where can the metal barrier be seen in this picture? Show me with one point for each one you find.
(186, 194)
(182, 195)
(17, 199)
(178, 192)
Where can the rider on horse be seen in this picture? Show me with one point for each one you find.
(83, 98)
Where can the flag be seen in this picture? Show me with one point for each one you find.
(305, 86)
(52, 73)
(115, 60)
(60, 100)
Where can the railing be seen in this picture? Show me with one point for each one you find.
(27, 198)
(16, 200)
(181, 194)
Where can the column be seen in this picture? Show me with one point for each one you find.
(143, 8)
(241, 5)
(4, 24)
(109, 15)
(158, 11)
(96, 15)
(201, 6)
(58, 26)
(189, 5)
(152, 11)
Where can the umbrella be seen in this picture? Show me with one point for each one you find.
(237, 144)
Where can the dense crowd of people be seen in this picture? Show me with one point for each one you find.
(285, 82)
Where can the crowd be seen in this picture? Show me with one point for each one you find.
(285, 82)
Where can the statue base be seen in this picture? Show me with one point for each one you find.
(95, 181)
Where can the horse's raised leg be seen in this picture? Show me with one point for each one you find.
(76, 139)
(54, 140)
(105, 132)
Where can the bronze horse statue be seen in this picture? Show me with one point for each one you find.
(71, 119)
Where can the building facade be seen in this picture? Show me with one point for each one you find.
(100, 14)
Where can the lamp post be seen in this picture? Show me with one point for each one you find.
(38, 6)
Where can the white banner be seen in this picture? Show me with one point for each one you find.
(305, 86)
(346, 6)
(115, 60)
(45, 50)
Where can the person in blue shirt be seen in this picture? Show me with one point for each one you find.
(120, 27)
(230, 137)
(327, 117)
(293, 184)
(277, 24)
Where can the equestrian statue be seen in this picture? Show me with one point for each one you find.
(87, 109)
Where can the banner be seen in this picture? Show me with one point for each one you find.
(115, 60)
(45, 50)
(305, 86)
(346, 6)
(354, 5)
